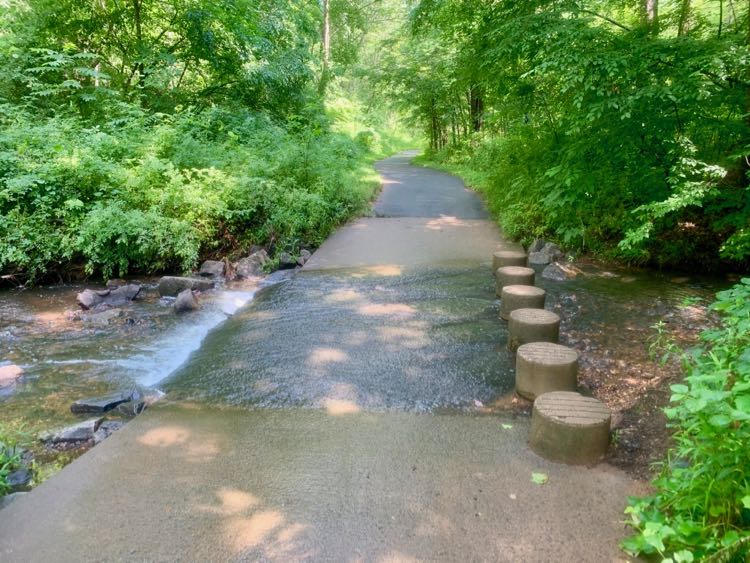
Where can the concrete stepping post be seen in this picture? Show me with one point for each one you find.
(569, 428)
(513, 275)
(508, 258)
(542, 367)
(514, 297)
(532, 325)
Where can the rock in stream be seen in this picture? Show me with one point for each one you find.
(170, 286)
(93, 298)
(186, 302)
(100, 405)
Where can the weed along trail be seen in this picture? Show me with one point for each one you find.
(355, 412)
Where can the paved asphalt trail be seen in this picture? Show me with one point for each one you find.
(332, 420)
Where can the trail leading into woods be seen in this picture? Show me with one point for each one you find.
(390, 334)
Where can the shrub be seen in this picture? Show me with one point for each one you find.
(153, 192)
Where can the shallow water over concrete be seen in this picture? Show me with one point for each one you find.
(417, 341)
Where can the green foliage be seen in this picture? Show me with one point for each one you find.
(10, 460)
(143, 136)
(155, 193)
(701, 504)
(163, 53)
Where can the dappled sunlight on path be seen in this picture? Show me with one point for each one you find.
(211, 484)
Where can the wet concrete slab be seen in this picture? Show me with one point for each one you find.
(192, 483)
(411, 341)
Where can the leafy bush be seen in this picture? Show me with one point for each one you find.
(701, 506)
(113, 239)
(10, 460)
(144, 136)
(147, 192)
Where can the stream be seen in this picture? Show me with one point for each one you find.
(67, 355)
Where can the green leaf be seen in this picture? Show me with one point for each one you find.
(720, 420)
(683, 555)
(506, 426)
(743, 403)
(539, 478)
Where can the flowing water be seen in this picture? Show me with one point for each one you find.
(65, 355)
(412, 342)
(435, 334)
(421, 335)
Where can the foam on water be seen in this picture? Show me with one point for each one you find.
(153, 361)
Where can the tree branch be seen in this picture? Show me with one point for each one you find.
(605, 18)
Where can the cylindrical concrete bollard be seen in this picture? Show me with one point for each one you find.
(514, 297)
(532, 325)
(508, 258)
(569, 428)
(542, 367)
(513, 275)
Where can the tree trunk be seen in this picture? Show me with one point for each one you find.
(746, 158)
(139, 66)
(684, 23)
(325, 74)
(476, 108)
(650, 15)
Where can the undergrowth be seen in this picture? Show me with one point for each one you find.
(700, 509)
(151, 192)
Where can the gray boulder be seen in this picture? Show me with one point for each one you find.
(539, 258)
(252, 266)
(172, 285)
(248, 268)
(549, 253)
(19, 479)
(72, 435)
(553, 251)
(262, 255)
(536, 246)
(90, 298)
(560, 272)
(100, 405)
(286, 261)
(186, 302)
(212, 268)
(304, 256)
(131, 408)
